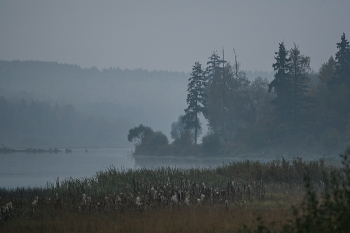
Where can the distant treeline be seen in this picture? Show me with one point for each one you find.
(41, 124)
(71, 83)
(151, 97)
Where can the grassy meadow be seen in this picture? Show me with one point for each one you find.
(247, 196)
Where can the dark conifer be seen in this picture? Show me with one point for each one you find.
(342, 67)
(299, 66)
(195, 99)
(282, 84)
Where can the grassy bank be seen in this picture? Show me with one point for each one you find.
(165, 200)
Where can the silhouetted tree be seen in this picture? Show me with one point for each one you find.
(138, 133)
(256, 100)
(151, 143)
(282, 85)
(299, 66)
(327, 71)
(195, 100)
(213, 69)
(339, 86)
(146, 140)
(342, 67)
(237, 86)
(216, 93)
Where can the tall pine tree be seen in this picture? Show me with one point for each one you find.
(299, 66)
(195, 100)
(342, 58)
(282, 85)
(213, 69)
(215, 91)
(339, 85)
(342, 66)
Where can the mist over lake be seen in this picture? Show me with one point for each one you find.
(35, 170)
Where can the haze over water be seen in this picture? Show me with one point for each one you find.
(35, 170)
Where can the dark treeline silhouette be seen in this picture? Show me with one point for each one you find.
(298, 112)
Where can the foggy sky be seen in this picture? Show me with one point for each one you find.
(169, 35)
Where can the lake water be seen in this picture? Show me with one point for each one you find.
(35, 170)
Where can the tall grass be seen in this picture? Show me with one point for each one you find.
(166, 199)
(322, 210)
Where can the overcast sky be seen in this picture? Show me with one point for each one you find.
(169, 35)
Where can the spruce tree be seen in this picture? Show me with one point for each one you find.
(299, 66)
(195, 100)
(282, 85)
(339, 85)
(215, 91)
(342, 58)
(213, 69)
(342, 64)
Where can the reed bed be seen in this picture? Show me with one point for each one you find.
(166, 199)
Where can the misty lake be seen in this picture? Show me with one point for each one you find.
(35, 170)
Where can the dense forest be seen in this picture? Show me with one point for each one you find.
(299, 112)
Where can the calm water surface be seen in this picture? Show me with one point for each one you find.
(35, 170)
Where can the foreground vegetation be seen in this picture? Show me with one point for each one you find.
(229, 198)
